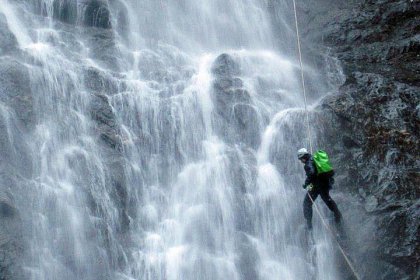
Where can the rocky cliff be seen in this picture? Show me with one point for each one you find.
(372, 124)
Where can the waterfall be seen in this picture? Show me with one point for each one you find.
(156, 140)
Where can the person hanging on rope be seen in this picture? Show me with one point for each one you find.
(318, 182)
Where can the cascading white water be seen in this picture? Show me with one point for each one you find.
(163, 147)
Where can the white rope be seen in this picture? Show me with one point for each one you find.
(303, 78)
(311, 148)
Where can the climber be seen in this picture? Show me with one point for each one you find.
(316, 183)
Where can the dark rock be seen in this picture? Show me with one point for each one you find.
(61, 10)
(65, 11)
(103, 47)
(11, 245)
(120, 12)
(349, 143)
(384, 34)
(15, 90)
(238, 120)
(8, 41)
(378, 114)
(247, 124)
(108, 131)
(7, 208)
(95, 13)
(225, 66)
(98, 81)
(92, 13)
(106, 126)
(374, 126)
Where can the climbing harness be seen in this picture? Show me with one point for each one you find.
(347, 259)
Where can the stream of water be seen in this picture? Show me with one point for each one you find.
(162, 142)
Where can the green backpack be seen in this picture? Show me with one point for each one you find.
(322, 162)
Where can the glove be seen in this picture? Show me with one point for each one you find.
(310, 187)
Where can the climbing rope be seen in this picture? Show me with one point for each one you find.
(302, 77)
(347, 259)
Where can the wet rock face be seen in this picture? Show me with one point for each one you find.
(374, 125)
(101, 112)
(377, 155)
(237, 118)
(8, 41)
(10, 238)
(15, 101)
(96, 14)
(15, 90)
(92, 13)
(65, 11)
(384, 38)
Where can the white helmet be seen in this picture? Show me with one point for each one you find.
(302, 152)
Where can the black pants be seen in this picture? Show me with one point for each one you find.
(324, 191)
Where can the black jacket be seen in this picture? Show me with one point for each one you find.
(312, 177)
(310, 170)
